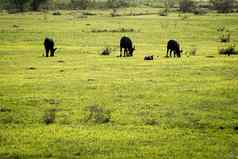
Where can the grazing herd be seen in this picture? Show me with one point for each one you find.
(126, 44)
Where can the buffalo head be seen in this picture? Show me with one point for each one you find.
(132, 50)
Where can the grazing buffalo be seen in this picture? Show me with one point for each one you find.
(49, 46)
(149, 57)
(126, 44)
(173, 46)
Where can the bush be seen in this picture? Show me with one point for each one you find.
(184, 17)
(229, 50)
(225, 37)
(163, 13)
(200, 11)
(220, 28)
(106, 51)
(151, 121)
(56, 13)
(88, 13)
(80, 4)
(49, 117)
(4, 109)
(35, 4)
(223, 6)
(82, 16)
(186, 5)
(117, 3)
(114, 13)
(224, 34)
(97, 114)
(119, 30)
(17, 5)
(192, 51)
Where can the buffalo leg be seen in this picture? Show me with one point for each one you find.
(167, 53)
(51, 52)
(170, 53)
(120, 52)
(47, 52)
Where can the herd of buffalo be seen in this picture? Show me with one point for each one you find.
(126, 44)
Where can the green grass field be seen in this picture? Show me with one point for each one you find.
(167, 108)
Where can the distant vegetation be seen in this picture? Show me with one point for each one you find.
(197, 7)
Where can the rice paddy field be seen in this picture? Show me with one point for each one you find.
(80, 104)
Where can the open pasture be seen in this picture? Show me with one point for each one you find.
(112, 107)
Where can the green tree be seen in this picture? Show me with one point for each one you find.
(80, 4)
(168, 4)
(117, 3)
(19, 5)
(35, 4)
(3, 4)
(223, 6)
(186, 5)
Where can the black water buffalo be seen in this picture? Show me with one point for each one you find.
(126, 44)
(173, 46)
(149, 57)
(49, 46)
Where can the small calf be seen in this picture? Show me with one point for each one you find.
(149, 57)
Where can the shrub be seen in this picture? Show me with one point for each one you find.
(224, 34)
(210, 56)
(8, 119)
(80, 4)
(193, 51)
(120, 30)
(220, 28)
(229, 50)
(97, 114)
(35, 4)
(114, 13)
(53, 101)
(56, 13)
(184, 17)
(223, 6)
(4, 109)
(117, 3)
(106, 51)
(88, 13)
(49, 117)
(151, 121)
(186, 5)
(32, 68)
(81, 16)
(163, 13)
(200, 11)
(17, 5)
(225, 37)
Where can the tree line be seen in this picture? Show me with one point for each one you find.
(222, 6)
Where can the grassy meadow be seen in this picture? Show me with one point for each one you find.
(111, 107)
